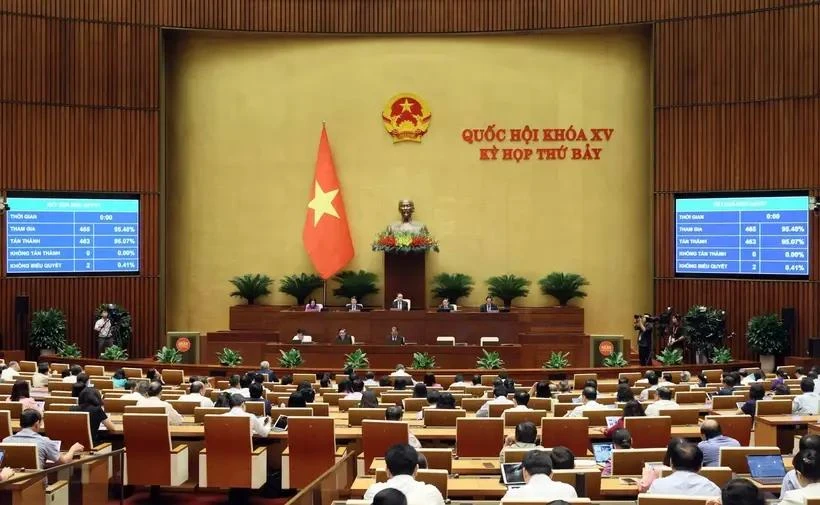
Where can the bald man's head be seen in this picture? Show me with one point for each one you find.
(710, 429)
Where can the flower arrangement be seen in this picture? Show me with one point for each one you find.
(405, 242)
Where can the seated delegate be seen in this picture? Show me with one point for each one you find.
(354, 305)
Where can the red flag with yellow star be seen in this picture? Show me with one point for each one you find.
(326, 234)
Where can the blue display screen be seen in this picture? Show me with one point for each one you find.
(57, 235)
(748, 236)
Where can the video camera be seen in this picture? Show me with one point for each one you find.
(663, 319)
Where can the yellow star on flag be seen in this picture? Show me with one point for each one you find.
(322, 203)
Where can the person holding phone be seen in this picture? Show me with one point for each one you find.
(258, 427)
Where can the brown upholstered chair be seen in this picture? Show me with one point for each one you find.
(649, 432)
(632, 377)
(48, 401)
(571, 432)
(132, 373)
(70, 428)
(20, 456)
(770, 407)
(201, 412)
(477, 391)
(479, 437)
(726, 402)
(255, 408)
(394, 397)
(437, 478)
(59, 386)
(735, 457)
(737, 426)
(560, 409)
(497, 409)
(28, 366)
(97, 370)
(345, 405)
(186, 407)
(579, 379)
(229, 459)
(14, 408)
(438, 459)
(117, 405)
(414, 404)
(320, 409)
(275, 412)
(311, 450)
(683, 397)
(173, 377)
(5, 424)
(540, 404)
(631, 461)
(58, 367)
(298, 378)
(356, 416)
(682, 416)
(332, 398)
(516, 417)
(597, 417)
(150, 459)
(378, 436)
(472, 404)
(662, 499)
(134, 409)
(443, 417)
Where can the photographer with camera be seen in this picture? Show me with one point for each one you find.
(103, 328)
(644, 325)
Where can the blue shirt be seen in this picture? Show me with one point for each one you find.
(681, 483)
(711, 448)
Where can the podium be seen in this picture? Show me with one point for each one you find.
(405, 273)
(186, 342)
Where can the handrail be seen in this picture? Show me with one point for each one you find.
(16, 478)
(317, 482)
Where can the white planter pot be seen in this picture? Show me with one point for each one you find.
(767, 363)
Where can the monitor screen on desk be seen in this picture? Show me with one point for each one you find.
(512, 474)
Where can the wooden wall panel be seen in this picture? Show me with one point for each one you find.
(737, 92)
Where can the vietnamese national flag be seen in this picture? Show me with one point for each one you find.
(326, 234)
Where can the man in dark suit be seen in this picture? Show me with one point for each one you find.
(488, 305)
(343, 338)
(354, 305)
(394, 338)
(400, 303)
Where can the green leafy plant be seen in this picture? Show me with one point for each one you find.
(557, 360)
(705, 328)
(48, 330)
(508, 287)
(766, 335)
(69, 351)
(356, 360)
(121, 330)
(115, 352)
(615, 360)
(489, 360)
(563, 286)
(359, 284)
(722, 355)
(423, 361)
(229, 357)
(452, 286)
(251, 287)
(168, 355)
(300, 286)
(670, 356)
(291, 358)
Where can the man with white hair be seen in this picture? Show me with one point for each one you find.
(196, 395)
(400, 372)
(264, 369)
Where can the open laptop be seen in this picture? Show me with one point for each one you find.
(602, 452)
(512, 475)
(612, 421)
(766, 468)
(281, 424)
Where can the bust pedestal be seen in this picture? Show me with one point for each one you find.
(405, 273)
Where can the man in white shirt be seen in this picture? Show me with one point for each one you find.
(522, 399)
(460, 382)
(752, 377)
(257, 427)
(538, 484)
(399, 372)
(807, 404)
(357, 387)
(103, 329)
(11, 372)
(197, 388)
(40, 378)
(499, 396)
(402, 463)
(587, 403)
(396, 413)
(233, 385)
(370, 380)
(135, 391)
(652, 379)
(686, 459)
(74, 371)
(153, 400)
(664, 402)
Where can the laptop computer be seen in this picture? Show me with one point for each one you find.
(602, 452)
(612, 421)
(512, 475)
(766, 468)
(281, 424)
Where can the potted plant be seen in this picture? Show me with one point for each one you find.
(251, 287)
(356, 360)
(507, 288)
(70, 351)
(48, 330)
(670, 356)
(705, 328)
(229, 357)
(291, 358)
(115, 353)
(452, 286)
(615, 360)
(722, 355)
(489, 360)
(557, 360)
(563, 286)
(423, 361)
(767, 336)
(352, 283)
(300, 286)
(168, 355)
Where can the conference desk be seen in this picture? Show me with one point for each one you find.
(779, 430)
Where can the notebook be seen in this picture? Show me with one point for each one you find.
(766, 468)
(512, 474)
(602, 452)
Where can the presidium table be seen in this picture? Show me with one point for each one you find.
(526, 336)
